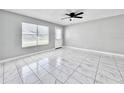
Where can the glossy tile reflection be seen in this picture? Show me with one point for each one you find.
(64, 66)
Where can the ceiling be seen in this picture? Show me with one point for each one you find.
(55, 15)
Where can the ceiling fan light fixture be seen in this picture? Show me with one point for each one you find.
(70, 19)
(73, 15)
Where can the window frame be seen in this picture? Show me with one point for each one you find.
(37, 35)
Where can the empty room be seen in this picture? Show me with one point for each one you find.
(61, 46)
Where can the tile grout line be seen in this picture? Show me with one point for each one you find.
(19, 74)
(118, 68)
(32, 71)
(97, 69)
(97, 66)
(42, 68)
(110, 78)
(46, 71)
(49, 72)
(52, 74)
(71, 75)
(57, 69)
(75, 71)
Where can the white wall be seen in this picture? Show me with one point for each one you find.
(11, 35)
(105, 35)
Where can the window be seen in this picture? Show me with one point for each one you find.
(43, 35)
(29, 35)
(33, 35)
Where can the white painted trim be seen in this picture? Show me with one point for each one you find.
(18, 57)
(95, 51)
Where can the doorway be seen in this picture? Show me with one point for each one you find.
(58, 37)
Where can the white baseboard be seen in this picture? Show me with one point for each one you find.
(82, 49)
(95, 51)
(18, 57)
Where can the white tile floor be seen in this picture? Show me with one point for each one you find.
(64, 66)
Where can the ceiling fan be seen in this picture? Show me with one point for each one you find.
(73, 15)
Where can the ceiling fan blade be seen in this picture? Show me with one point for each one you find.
(78, 17)
(79, 13)
(67, 14)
